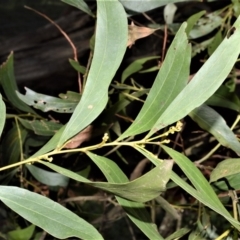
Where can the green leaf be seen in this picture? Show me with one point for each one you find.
(224, 98)
(211, 121)
(50, 145)
(135, 211)
(47, 214)
(77, 66)
(48, 178)
(80, 4)
(12, 144)
(178, 234)
(71, 96)
(142, 189)
(205, 82)
(2, 115)
(135, 66)
(215, 43)
(21, 234)
(41, 127)
(144, 6)
(47, 103)
(205, 25)
(171, 79)
(110, 46)
(225, 168)
(228, 183)
(8, 82)
(192, 21)
(204, 192)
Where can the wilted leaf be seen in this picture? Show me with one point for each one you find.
(81, 137)
(135, 33)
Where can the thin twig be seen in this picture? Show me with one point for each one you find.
(75, 56)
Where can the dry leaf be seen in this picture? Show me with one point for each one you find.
(135, 32)
(81, 137)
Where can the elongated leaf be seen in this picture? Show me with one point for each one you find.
(204, 191)
(135, 66)
(144, 6)
(47, 103)
(47, 214)
(12, 144)
(211, 121)
(192, 21)
(48, 178)
(50, 145)
(135, 211)
(142, 189)
(225, 168)
(41, 127)
(171, 79)
(2, 115)
(206, 81)
(224, 98)
(77, 66)
(178, 234)
(80, 4)
(8, 82)
(110, 46)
